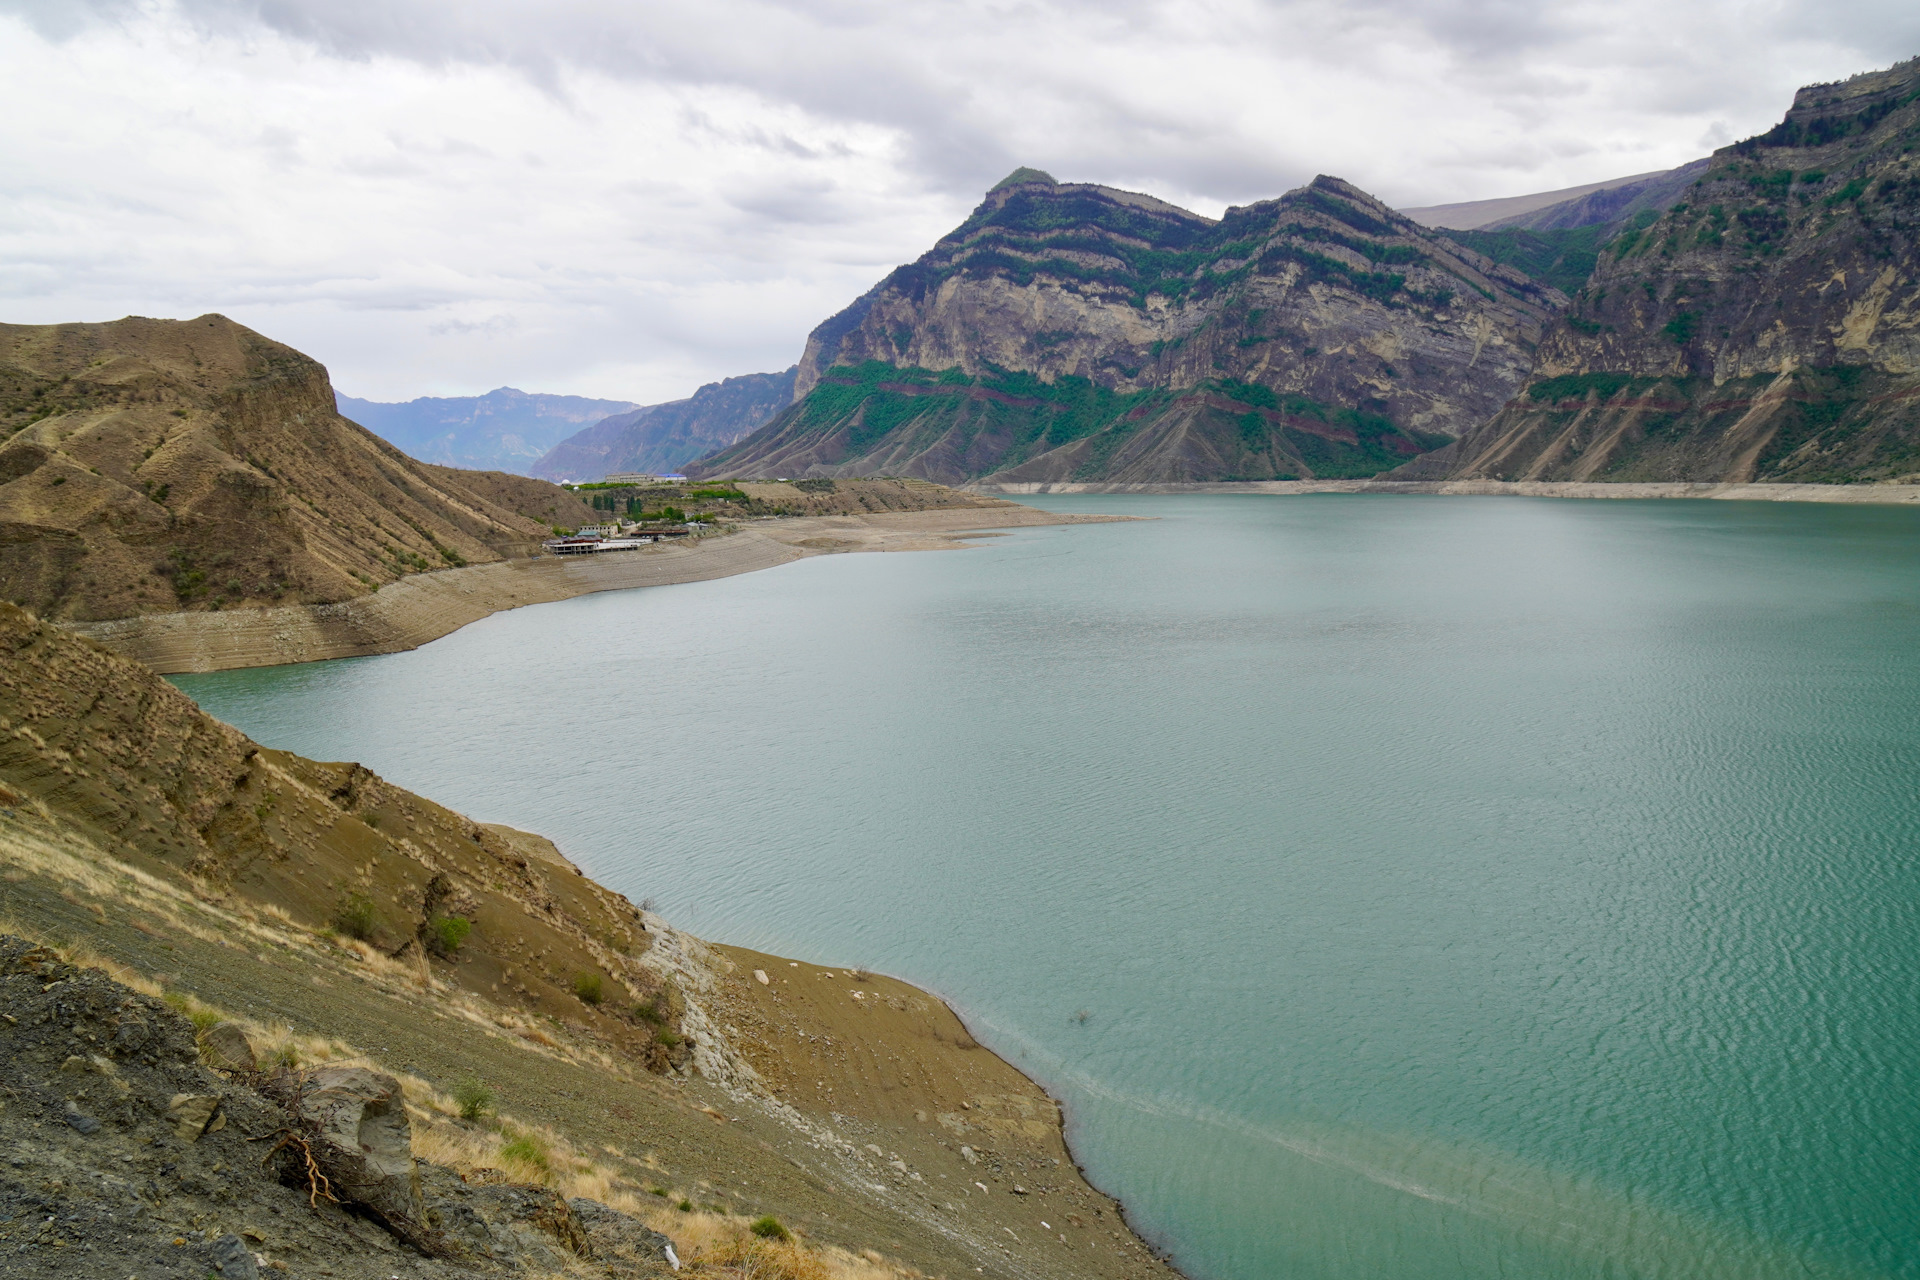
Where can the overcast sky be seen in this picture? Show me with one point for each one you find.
(627, 199)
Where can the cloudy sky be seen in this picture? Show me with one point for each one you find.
(626, 198)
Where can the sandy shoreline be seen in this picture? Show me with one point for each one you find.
(1908, 494)
(424, 607)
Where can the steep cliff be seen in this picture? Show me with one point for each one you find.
(1075, 332)
(665, 437)
(156, 465)
(1767, 327)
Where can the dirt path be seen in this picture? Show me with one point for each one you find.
(424, 607)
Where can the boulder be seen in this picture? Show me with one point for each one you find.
(232, 1260)
(190, 1114)
(621, 1243)
(226, 1047)
(361, 1140)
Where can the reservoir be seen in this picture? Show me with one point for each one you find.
(1422, 888)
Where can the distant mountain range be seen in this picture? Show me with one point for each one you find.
(665, 437)
(1570, 207)
(504, 430)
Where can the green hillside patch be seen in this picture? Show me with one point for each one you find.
(874, 400)
(1563, 259)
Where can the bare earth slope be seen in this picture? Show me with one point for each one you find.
(155, 465)
(1767, 328)
(631, 1061)
(1076, 332)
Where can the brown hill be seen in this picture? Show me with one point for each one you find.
(1760, 330)
(159, 465)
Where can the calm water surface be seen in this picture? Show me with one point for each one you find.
(1455, 887)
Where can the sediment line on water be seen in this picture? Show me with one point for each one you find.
(1851, 493)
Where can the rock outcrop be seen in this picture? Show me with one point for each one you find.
(1765, 328)
(103, 1180)
(151, 466)
(1076, 332)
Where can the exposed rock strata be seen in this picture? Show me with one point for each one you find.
(1766, 328)
(1069, 331)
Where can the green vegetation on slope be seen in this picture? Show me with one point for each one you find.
(1562, 258)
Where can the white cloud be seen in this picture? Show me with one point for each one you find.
(626, 200)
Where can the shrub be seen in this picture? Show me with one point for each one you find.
(768, 1227)
(685, 1206)
(354, 916)
(472, 1097)
(527, 1148)
(649, 1011)
(666, 1036)
(1681, 328)
(590, 987)
(192, 1010)
(446, 933)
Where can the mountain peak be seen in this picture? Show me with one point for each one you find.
(1022, 176)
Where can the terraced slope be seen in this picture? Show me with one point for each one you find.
(1766, 328)
(1076, 332)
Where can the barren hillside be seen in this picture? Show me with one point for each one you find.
(158, 465)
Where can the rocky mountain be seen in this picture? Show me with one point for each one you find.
(159, 465)
(1068, 331)
(504, 430)
(665, 437)
(1767, 327)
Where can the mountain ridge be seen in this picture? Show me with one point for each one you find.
(505, 429)
(1069, 331)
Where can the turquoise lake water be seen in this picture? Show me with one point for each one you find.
(1455, 887)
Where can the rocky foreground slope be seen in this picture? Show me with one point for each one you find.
(158, 465)
(340, 922)
(1074, 332)
(1765, 328)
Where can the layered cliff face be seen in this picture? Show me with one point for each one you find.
(665, 437)
(1075, 332)
(1767, 327)
(157, 465)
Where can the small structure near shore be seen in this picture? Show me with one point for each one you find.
(583, 544)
